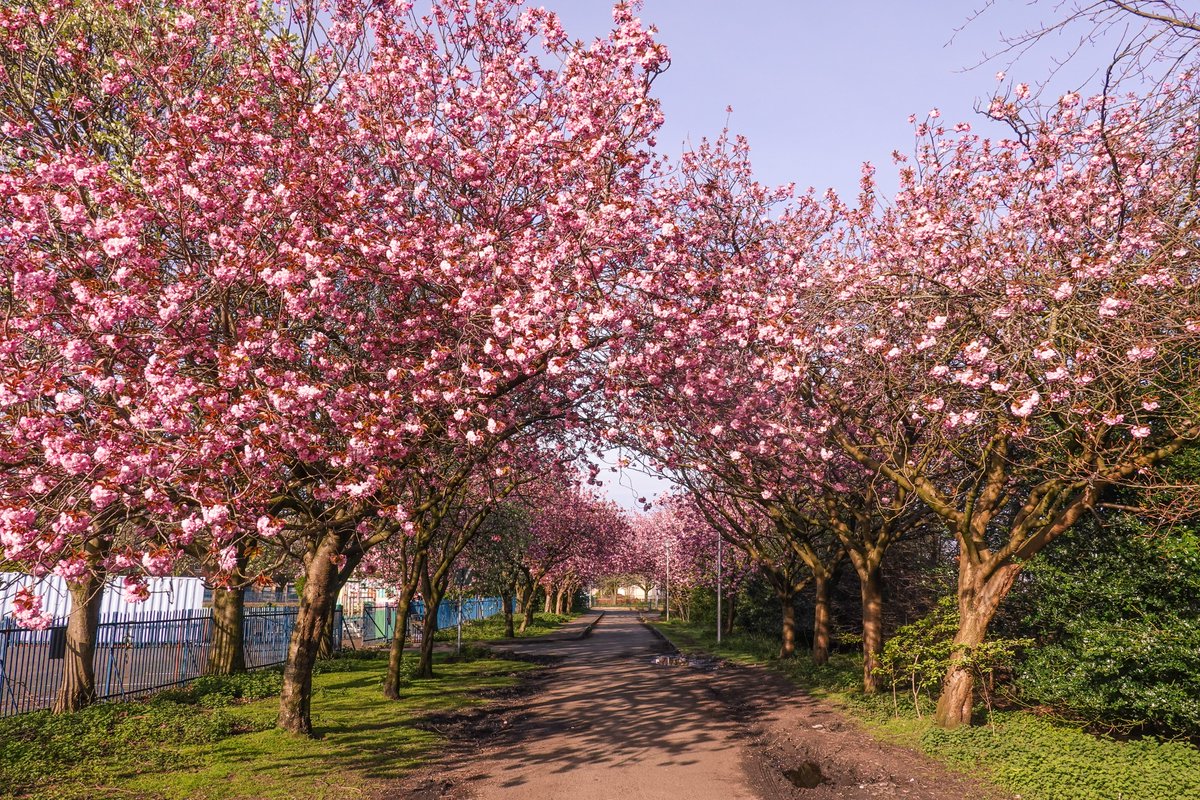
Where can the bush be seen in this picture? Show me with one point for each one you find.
(917, 656)
(1116, 610)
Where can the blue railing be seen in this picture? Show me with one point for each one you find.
(378, 623)
(135, 654)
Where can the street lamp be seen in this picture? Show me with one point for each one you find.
(668, 594)
(718, 587)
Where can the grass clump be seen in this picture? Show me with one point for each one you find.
(215, 739)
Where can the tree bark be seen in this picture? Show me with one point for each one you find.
(979, 596)
(429, 630)
(730, 612)
(788, 607)
(78, 686)
(871, 590)
(528, 598)
(327, 649)
(433, 594)
(395, 673)
(821, 619)
(549, 599)
(506, 599)
(226, 650)
(320, 580)
(560, 600)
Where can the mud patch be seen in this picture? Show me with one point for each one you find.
(806, 776)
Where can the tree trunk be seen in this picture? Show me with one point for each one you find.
(395, 673)
(560, 601)
(327, 649)
(226, 651)
(433, 593)
(730, 606)
(528, 597)
(821, 620)
(871, 589)
(788, 607)
(320, 581)
(549, 599)
(978, 599)
(506, 598)
(78, 686)
(430, 629)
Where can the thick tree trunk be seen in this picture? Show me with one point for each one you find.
(978, 599)
(320, 592)
(871, 590)
(506, 599)
(821, 619)
(226, 651)
(549, 599)
(78, 686)
(788, 607)
(395, 673)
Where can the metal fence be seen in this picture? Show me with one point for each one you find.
(379, 622)
(135, 654)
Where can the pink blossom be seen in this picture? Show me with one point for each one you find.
(1025, 407)
(27, 610)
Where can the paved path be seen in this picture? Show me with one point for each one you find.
(611, 724)
(607, 723)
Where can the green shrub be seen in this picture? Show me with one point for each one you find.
(917, 656)
(1116, 611)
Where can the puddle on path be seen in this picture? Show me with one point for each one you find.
(677, 660)
(669, 661)
(806, 776)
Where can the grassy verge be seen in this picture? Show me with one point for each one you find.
(1036, 757)
(215, 740)
(493, 627)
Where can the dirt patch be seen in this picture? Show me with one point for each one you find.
(801, 747)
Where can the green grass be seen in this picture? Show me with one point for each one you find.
(215, 741)
(1037, 757)
(493, 627)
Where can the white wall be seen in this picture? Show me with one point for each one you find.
(166, 595)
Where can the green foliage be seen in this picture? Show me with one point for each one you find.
(1116, 611)
(1041, 759)
(917, 656)
(179, 744)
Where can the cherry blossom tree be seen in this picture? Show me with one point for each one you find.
(1013, 335)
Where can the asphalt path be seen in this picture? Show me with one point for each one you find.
(612, 724)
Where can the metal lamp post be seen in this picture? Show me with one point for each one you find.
(718, 587)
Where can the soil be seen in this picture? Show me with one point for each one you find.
(618, 717)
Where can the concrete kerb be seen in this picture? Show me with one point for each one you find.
(591, 626)
(658, 634)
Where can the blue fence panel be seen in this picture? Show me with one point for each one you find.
(136, 654)
(379, 622)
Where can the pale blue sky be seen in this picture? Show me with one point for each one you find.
(819, 87)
